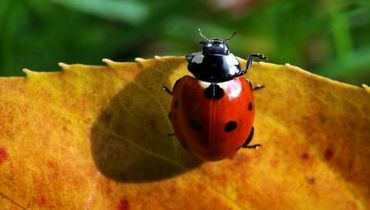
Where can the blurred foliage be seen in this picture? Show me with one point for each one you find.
(328, 37)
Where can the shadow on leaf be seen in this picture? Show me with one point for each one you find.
(130, 141)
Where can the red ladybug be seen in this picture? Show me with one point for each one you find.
(212, 114)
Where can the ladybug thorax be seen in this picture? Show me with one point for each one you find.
(214, 63)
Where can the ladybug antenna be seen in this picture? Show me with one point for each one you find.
(202, 35)
(227, 39)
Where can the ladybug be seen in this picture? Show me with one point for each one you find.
(212, 113)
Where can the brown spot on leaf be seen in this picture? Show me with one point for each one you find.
(310, 180)
(3, 155)
(274, 163)
(41, 201)
(305, 156)
(123, 204)
(328, 154)
(106, 117)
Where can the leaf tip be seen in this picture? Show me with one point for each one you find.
(139, 60)
(63, 65)
(107, 61)
(366, 87)
(26, 70)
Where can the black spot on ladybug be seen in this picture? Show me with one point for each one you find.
(176, 103)
(250, 106)
(195, 125)
(230, 126)
(214, 91)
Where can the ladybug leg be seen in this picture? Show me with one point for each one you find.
(250, 60)
(256, 86)
(249, 139)
(253, 146)
(165, 88)
(169, 117)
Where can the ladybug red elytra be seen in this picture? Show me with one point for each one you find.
(212, 114)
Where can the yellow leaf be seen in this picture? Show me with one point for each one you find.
(94, 137)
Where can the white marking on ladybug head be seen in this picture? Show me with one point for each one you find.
(233, 70)
(231, 59)
(198, 58)
(232, 62)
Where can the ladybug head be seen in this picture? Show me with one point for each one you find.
(215, 46)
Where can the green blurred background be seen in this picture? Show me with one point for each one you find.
(327, 37)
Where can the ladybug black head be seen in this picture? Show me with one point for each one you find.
(215, 46)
